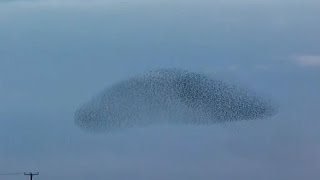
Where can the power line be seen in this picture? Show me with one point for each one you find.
(9, 174)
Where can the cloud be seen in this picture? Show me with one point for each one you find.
(59, 3)
(308, 60)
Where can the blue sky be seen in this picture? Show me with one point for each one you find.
(55, 55)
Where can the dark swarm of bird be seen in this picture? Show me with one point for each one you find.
(170, 96)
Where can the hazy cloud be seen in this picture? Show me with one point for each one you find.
(308, 60)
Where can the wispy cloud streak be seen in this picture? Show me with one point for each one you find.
(308, 60)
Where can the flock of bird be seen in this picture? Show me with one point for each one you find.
(170, 96)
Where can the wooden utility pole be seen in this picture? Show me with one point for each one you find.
(31, 174)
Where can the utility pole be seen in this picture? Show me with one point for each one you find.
(31, 174)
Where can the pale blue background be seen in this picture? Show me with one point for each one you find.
(55, 55)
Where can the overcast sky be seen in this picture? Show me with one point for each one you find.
(57, 54)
